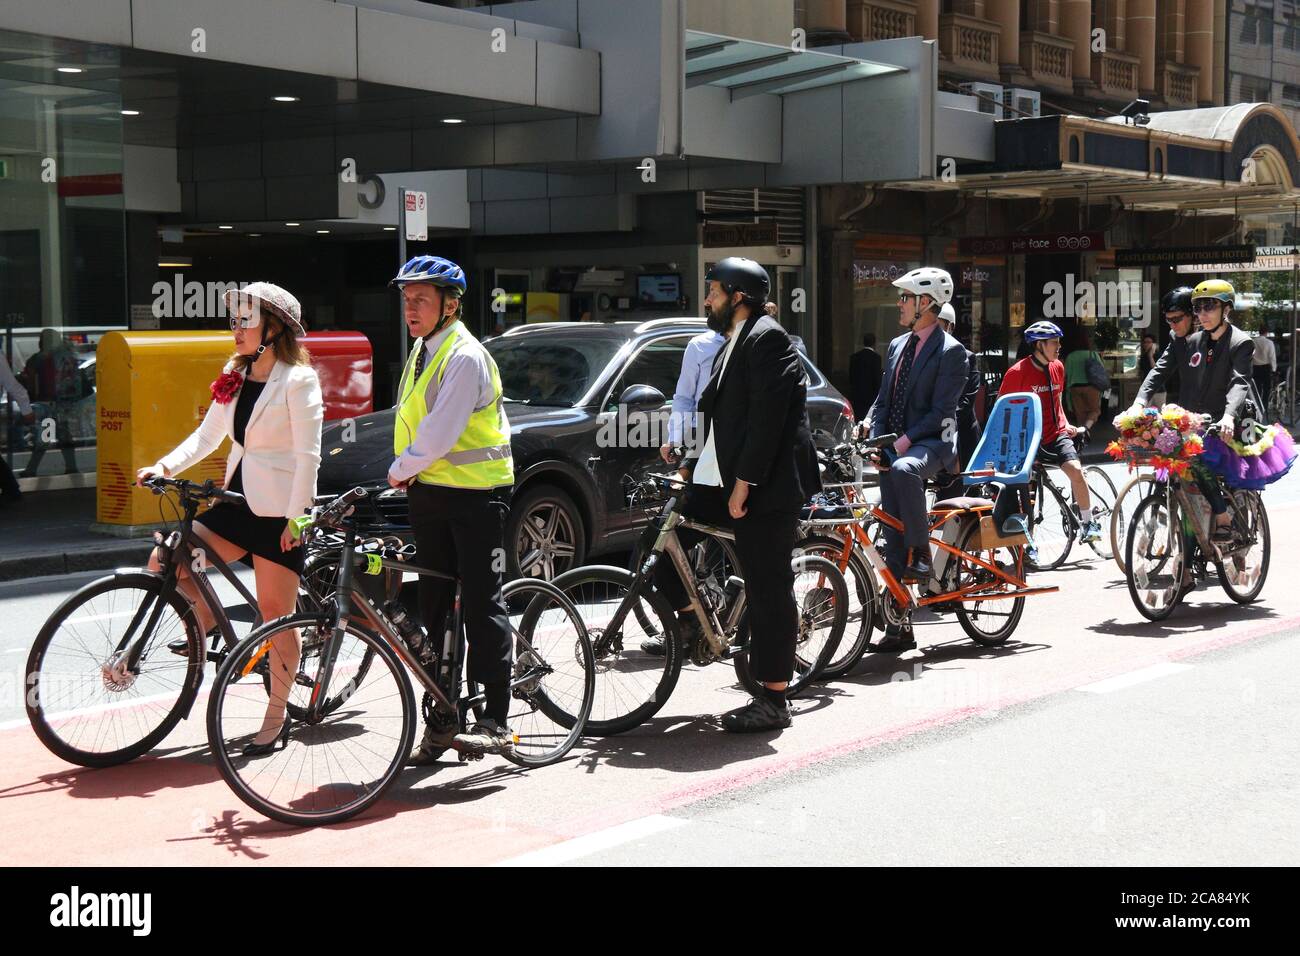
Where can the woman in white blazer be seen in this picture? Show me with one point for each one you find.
(268, 400)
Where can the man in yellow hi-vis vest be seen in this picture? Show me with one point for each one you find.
(452, 443)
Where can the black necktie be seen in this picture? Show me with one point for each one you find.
(900, 386)
(419, 361)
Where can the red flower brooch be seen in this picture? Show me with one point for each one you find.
(226, 387)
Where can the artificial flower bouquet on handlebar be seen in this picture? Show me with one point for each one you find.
(1168, 438)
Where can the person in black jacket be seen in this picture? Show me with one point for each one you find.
(753, 469)
(865, 368)
(968, 426)
(1162, 378)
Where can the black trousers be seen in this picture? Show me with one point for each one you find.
(764, 545)
(462, 532)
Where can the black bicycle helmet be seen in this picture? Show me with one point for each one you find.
(1178, 300)
(746, 276)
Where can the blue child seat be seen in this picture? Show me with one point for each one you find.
(1010, 441)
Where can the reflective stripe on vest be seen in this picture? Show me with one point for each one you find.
(480, 458)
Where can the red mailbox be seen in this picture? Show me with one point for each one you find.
(345, 365)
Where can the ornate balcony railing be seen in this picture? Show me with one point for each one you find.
(1116, 74)
(1048, 59)
(970, 44)
(881, 19)
(1177, 83)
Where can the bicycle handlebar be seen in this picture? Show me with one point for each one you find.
(192, 489)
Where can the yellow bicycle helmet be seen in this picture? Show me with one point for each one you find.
(1220, 289)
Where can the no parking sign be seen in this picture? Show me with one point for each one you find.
(417, 215)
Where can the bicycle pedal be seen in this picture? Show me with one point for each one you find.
(302, 680)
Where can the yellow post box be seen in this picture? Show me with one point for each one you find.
(152, 391)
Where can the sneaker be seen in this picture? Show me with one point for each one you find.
(760, 714)
(1090, 532)
(1031, 553)
(485, 737)
(688, 627)
(433, 745)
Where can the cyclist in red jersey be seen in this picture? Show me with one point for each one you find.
(1043, 373)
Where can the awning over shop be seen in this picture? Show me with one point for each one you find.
(746, 68)
(1217, 161)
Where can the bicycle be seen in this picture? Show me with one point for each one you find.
(975, 564)
(1133, 493)
(622, 608)
(129, 690)
(328, 765)
(1054, 522)
(1169, 546)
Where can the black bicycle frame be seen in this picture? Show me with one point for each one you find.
(172, 551)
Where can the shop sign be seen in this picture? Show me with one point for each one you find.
(740, 234)
(417, 216)
(1184, 256)
(868, 271)
(1267, 259)
(972, 274)
(1047, 242)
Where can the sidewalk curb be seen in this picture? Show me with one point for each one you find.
(71, 562)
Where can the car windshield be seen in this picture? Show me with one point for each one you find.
(547, 368)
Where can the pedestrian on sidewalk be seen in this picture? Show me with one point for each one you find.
(1085, 380)
(9, 491)
(54, 382)
(268, 401)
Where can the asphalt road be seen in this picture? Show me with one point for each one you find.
(1092, 736)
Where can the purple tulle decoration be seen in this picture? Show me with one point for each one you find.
(1252, 473)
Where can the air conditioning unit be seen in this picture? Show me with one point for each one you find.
(1024, 103)
(992, 98)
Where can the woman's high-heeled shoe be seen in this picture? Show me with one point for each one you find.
(261, 750)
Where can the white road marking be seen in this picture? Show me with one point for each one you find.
(595, 842)
(1134, 677)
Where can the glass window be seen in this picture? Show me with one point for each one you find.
(544, 368)
(659, 365)
(62, 260)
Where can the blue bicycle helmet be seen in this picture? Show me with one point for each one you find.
(1043, 330)
(434, 269)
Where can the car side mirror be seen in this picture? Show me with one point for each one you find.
(640, 397)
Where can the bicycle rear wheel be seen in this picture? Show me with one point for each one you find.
(1102, 492)
(83, 703)
(553, 682)
(630, 685)
(863, 594)
(1243, 570)
(1156, 557)
(822, 602)
(324, 772)
(992, 621)
(1134, 492)
(1051, 531)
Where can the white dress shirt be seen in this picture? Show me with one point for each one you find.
(706, 470)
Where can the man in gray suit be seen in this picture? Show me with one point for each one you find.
(925, 373)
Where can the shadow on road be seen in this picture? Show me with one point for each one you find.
(877, 669)
(668, 743)
(1188, 620)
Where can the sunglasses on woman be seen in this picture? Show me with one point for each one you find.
(1206, 305)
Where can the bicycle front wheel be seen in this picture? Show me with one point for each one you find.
(822, 604)
(1134, 492)
(323, 772)
(863, 594)
(1051, 531)
(85, 700)
(631, 684)
(1156, 557)
(1245, 564)
(1101, 490)
(553, 681)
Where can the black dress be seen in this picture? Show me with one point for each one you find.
(235, 522)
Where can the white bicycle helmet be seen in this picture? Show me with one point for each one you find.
(947, 313)
(927, 280)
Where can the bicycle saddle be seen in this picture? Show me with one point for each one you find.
(963, 503)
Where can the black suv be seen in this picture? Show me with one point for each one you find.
(587, 403)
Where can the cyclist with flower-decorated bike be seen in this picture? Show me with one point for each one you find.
(1211, 441)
